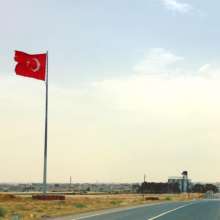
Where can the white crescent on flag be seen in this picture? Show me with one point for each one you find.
(37, 62)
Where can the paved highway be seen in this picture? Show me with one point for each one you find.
(195, 210)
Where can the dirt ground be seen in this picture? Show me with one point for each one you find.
(31, 209)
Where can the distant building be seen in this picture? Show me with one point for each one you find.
(218, 186)
(75, 187)
(183, 182)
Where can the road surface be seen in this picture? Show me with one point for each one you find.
(194, 210)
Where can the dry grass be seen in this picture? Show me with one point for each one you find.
(34, 209)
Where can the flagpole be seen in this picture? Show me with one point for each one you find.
(45, 134)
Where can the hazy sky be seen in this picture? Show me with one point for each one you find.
(134, 88)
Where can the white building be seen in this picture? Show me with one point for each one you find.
(183, 182)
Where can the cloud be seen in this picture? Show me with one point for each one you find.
(157, 61)
(177, 6)
(157, 74)
(160, 62)
(210, 71)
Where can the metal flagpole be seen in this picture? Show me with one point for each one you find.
(45, 134)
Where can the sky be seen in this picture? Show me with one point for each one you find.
(133, 90)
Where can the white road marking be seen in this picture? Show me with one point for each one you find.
(115, 211)
(90, 216)
(126, 209)
(167, 212)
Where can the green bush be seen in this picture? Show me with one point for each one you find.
(80, 205)
(114, 202)
(168, 198)
(2, 212)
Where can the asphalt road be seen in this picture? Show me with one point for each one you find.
(195, 210)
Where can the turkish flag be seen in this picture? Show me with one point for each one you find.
(31, 65)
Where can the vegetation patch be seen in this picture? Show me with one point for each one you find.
(80, 205)
(151, 198)
(31, 209)
(115, 202)
(3, 212)
(168, 198)
(7, 197)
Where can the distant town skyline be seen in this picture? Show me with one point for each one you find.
(133, 90)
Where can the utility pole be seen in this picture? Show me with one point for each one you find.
(143, 185)
(70, 183)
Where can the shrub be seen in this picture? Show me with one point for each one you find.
(168, 198)
(151, 198)
(2, 212)
(114, 202)
(80, 205)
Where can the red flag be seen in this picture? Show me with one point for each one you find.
(31, 65)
